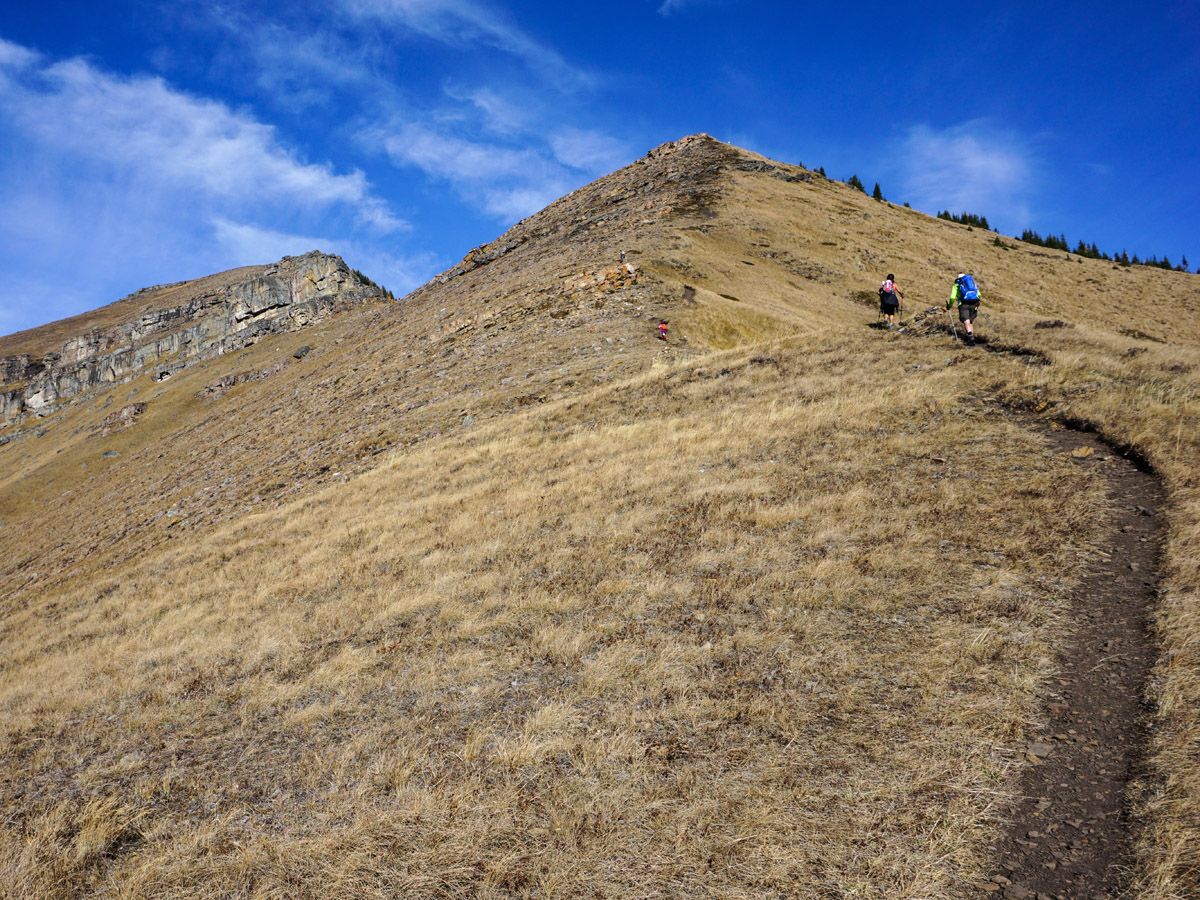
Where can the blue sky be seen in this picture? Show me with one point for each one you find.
(143, 142)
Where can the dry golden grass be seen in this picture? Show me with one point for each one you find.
(702, 634)
(682, 621)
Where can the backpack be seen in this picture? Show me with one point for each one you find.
(967, 291)
(887, 292)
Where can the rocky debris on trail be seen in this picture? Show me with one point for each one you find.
(1070, 834)
(121, 419)
(295, 292)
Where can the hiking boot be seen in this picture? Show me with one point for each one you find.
(970, 340)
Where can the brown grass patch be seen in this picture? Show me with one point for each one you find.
(705, 633)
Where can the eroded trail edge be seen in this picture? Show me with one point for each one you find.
(1071, 834)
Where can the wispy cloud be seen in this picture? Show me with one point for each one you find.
(506, 182)
(14, 56)
(141, 129)
(113, 182)
(670, 7)
(975, 166)
(248, 243)
(507, 178)
(589, 151)
(464, 22)
(500, 114)
(293, 65)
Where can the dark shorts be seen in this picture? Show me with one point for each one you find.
(889, 307)
(967, 312)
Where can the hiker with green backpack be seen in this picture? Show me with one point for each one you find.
(965, 293)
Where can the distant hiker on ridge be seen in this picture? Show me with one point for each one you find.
(965, 293)
(890, 300)
(662, 329)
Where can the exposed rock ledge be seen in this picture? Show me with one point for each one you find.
(296, 291)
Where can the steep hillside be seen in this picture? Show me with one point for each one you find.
(490, 592)
(546, 311)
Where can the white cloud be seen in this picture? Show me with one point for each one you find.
(114, 182)
(509, 204)
(145, 130)
(457, 159)
(669, 7)
(15, 56)
(249, 244)
(508, 183)
(295, 67)
(464, 22)
(973, 167)
(589, 151)
(500, 114)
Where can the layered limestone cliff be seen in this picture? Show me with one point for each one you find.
(176, 326)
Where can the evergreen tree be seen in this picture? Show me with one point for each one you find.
(1183, 264)
(856, 182)
(821, 171)
(877, 193)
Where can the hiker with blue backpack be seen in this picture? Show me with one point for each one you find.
(966, 294)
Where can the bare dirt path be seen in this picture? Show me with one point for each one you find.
(1070, 834)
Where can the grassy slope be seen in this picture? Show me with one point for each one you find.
(696, 624)
(515, 333)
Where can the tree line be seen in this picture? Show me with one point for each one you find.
(1029, 236)
(364, 279)
(1091, 251)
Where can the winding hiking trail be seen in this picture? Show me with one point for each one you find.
(1070, 834)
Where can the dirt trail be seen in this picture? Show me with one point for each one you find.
(1070, 835)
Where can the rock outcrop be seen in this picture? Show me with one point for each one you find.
(293, 293)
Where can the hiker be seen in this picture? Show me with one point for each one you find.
(890, 300)
(965, 293)
(662, 329)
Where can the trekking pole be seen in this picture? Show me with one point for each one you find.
(954, 326)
